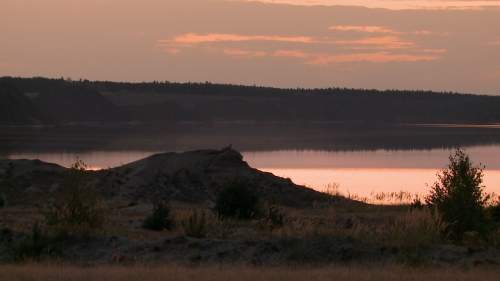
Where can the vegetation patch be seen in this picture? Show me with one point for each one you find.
(238, 200)
(459, 196)
(160, 218)
(76, 209)
(196, 225)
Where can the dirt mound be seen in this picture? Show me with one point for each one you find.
(194, 176)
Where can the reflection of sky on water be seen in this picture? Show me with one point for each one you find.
(356, 172)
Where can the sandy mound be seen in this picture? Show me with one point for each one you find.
(194, 176)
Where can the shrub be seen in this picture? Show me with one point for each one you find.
(3, 201)
(237, 200)
(458, 196)
(275, 217)
(34, 246)
(494, 212)
(196, 225)
(77, 208)
(160, 218)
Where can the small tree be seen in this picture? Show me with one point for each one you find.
(77, 208)
(459, 197)
(237, 200)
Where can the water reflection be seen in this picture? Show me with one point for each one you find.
(356, 172)
(365, 173)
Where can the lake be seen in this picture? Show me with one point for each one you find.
(361, 162)
(360, 173)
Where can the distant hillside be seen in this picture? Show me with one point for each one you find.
(53, 101)
(87, 101)
(16, 108)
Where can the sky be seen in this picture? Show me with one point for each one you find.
(383, 44)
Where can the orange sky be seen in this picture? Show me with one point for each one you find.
(425, 44)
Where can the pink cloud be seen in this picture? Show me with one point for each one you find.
(240, 53)
(195, 38)
(386, 42)
(376, 57)
(379, 57)
(376, 49)
(291, 54)
(434, 51)
(362, 28)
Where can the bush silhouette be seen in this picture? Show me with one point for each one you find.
(77, 208)
(275, 217)
(459, 197)
(160, 218)
(494, 212)
(237, 200)
(3, 201)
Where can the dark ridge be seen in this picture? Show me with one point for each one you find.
(87, 101)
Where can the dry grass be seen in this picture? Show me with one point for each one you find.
(35, 272)
(380, 224)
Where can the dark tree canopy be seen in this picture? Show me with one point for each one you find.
(59, 101)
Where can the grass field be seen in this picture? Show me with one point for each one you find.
(37, 272)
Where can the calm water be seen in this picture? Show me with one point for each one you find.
(363, 173)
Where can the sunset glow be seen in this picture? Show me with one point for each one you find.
(381, 44)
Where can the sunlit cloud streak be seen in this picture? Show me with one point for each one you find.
(362, 28)
(374, 49)
(323, 59)
(379, 57)
(385, 42)
(373, 57)
(375, 29)
(291, 54)
(174, 45)
(194, 38)
(240, 53)
(392, 4)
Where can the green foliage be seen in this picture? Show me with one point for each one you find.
(77, 209)
(196, 225)
(160, 218)
(237, 200)
(458, 196)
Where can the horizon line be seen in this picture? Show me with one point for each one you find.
(214, 83)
